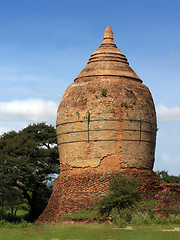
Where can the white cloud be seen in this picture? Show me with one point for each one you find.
(165, 114)
(7, 126)
(169, 160)
(170, 163)
(35, 110)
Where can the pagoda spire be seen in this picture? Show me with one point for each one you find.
(108, 38)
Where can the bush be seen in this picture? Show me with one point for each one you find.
(174, 219)
(21, 224)
(122, 193)
(126, 214)
(146, 218)
(120, 222)
(141, 218)
(166, 200)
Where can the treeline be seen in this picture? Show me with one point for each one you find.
(166, 178)
(28, 161)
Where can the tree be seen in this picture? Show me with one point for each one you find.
(11, 199)
(122, 193)
(28, 160)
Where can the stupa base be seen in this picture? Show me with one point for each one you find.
(79, 188)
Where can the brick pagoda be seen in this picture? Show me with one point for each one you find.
(106, 124)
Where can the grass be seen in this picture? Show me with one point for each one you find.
(89, 232)
(83, 215)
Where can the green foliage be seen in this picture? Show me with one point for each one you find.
(104, 92)
(125, 214)
(28, 160)
(20, 224)
(125, 104)
(120, 222)
(11, 199)
(123, 193)
(82, 215)
(166, 178)
(174, 219)
(139, 218)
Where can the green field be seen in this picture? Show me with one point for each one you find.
(90, 232)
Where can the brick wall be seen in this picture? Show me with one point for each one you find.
(80, 188)
(122, 123)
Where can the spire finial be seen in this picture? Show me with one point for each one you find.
(108, 40)
(108, 33)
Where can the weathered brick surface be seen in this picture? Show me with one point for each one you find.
(115, 124)
(106, 123)
(83, 187)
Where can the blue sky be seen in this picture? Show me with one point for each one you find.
(44, 44)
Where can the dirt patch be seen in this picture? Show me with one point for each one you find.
(171, 230)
